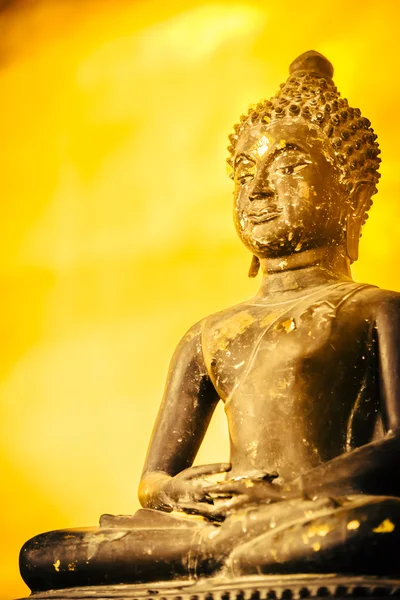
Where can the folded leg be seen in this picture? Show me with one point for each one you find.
(360, 534)
(149, 546)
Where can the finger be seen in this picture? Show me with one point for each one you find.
(204, 470)
(204, 510)
(256, 475)
(235, 503)
(240, 486)
(230, 487)
(217, 513)
(263, 476)
(261, 490)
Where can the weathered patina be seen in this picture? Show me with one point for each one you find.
(308, 370)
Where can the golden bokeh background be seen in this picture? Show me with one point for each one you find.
(117, 231)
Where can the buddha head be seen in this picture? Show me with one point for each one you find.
(305, 167)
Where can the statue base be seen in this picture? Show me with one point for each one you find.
(273, 587)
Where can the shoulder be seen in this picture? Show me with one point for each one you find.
(199, 344)
(369, 304)
(191, 341)
(238, 316)
(376, 299)
(387, 309)
(235, 318)
(187, 359)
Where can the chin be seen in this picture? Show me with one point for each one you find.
(271, 244)
(273, 239)
(267, 248)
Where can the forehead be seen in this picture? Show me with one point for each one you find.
(263, 139)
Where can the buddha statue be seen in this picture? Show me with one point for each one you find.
(308, 370)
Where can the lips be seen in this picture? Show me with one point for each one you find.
(262, 216)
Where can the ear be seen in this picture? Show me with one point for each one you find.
(360, 201)
(254, 266)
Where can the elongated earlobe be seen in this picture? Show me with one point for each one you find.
(361, 202)
(254, 266)
(353, 230)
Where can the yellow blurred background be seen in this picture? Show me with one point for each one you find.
(117, 232)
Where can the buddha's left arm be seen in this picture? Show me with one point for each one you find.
(373, 468)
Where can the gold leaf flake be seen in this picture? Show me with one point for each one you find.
(385, 527)
(319, 530)
(230, 328)
(289, 325)
(262, 146)
(316, 547)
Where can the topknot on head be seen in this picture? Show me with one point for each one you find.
(312, 62)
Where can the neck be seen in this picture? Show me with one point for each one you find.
(302, 270)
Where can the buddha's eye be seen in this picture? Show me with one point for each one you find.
(293, 169)
(244, 169)
(245, 172)
(245, 178)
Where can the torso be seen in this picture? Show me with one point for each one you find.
(298, 378)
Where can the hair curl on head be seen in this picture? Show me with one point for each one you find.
(310, 92)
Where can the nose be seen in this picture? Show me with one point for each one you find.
(261, 189)
(260, 194)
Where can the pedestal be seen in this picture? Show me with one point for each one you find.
(287, 587)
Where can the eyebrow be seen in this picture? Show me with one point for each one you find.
(275, 153)
(278, 151)
(243, 155)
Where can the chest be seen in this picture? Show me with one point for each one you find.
(264, 349)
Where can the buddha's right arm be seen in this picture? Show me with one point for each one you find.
(187, 407)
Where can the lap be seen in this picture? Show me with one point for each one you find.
(349, 534)
(342, 534)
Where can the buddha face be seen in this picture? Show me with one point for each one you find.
(288, 197)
